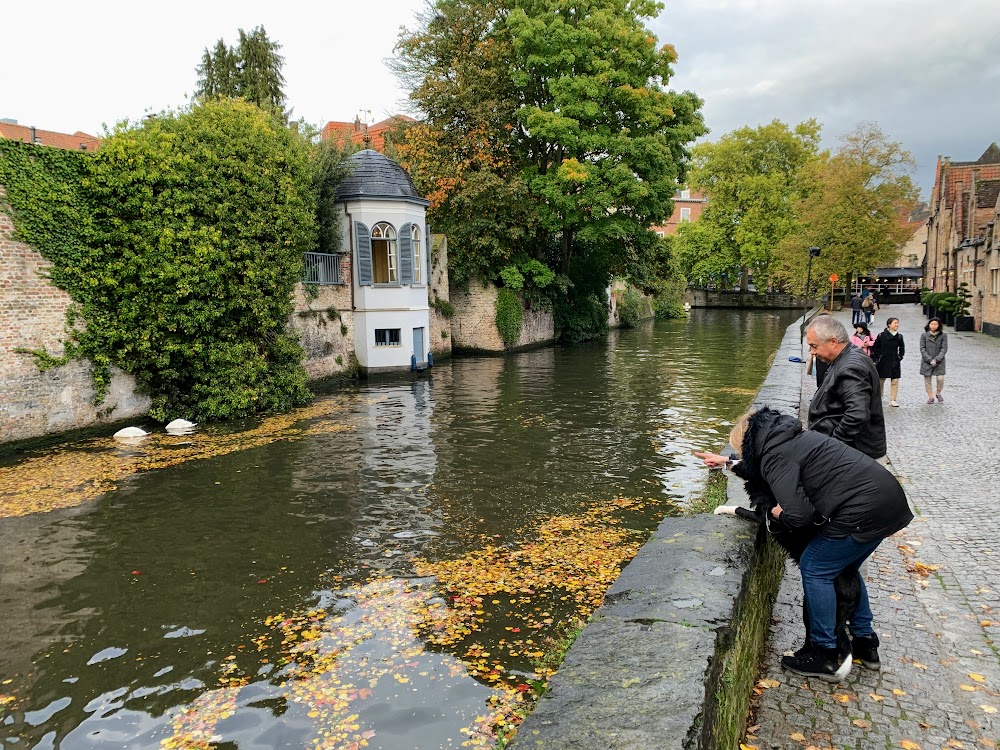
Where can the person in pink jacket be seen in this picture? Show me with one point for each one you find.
(863, 338)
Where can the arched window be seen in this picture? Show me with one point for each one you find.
(384, 254)
(417, 256)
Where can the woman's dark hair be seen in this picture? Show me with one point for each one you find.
(864, 327)
(889, 322)
(940, 324)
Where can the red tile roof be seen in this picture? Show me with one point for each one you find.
(78, 141)
(355, 131)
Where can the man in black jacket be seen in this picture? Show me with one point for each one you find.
(848, 404)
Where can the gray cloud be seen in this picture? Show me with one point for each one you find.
(927, 73)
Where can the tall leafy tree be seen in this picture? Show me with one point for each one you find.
(752, 177)
(554, 109)
(852, 207)
(251, 70)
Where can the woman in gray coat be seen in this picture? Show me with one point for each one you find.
(933, 348)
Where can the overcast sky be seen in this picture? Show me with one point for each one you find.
(927, 72)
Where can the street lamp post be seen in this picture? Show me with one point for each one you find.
(813, 253)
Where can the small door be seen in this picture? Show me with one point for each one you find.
(418, 345)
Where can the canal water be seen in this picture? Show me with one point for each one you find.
(396, 566)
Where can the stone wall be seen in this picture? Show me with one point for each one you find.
(755, 300)
(615, 293)
(325, 324)
(440, 324)
(33, 317)
(473, 327)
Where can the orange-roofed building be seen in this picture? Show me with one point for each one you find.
(78, 141)
(356, 132)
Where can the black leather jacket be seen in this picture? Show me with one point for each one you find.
(848, 405)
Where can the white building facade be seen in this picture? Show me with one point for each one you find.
(385, 227)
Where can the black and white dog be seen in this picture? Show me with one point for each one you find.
(794, 542)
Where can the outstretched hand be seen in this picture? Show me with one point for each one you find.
(711, 460)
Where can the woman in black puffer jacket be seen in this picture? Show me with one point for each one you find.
(845, 500)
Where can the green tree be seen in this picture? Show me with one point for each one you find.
(752, 177)
(251, 70)
(851, 208)
(180, 243)
(550, 118)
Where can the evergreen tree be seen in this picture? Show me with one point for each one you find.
(251, 70)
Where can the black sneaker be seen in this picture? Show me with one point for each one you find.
(824, 663)
(865, 650)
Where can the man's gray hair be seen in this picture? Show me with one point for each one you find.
(828, 327)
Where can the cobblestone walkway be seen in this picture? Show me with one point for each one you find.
(934, 587)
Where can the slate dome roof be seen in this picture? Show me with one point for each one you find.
(377, 176)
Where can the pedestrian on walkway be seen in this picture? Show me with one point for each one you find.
(933, 348)
(862, 338)
(856, 314)
(848, 405)
(848, 500)
(869, 304)
(887, 353)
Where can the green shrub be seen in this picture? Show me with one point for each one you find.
(580, 318)
(180, 242)
(443, 306)
(509, 316)
(961, 305)
(630, 308)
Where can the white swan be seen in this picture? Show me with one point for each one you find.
(130, 432)
(180, 424)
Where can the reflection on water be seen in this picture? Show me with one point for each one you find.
(386, 573)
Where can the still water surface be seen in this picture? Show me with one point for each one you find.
(389, 574)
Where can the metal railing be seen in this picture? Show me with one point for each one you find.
(322, 268)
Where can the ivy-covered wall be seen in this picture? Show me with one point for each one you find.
(33, 316)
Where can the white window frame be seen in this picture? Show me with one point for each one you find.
(685, 214)
(384, 232)
(418, 269)
(685, 195)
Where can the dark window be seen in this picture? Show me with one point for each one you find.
(386, 337)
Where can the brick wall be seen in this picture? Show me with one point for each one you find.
(33, 316)
(473, 328)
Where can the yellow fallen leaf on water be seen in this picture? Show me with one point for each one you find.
(977, 677)
(909, 745)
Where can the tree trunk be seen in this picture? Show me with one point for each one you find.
(567, 245)
(745, 279)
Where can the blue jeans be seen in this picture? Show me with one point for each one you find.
(823, 560)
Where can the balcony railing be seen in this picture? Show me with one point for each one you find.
(322, 268)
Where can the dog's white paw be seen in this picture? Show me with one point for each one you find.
(726, 510)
